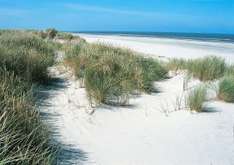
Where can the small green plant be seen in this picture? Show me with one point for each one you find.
(226, 89)
(196, 99)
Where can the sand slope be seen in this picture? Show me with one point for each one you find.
(152, 130)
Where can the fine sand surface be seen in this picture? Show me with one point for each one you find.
(164, 47)
(154, 129)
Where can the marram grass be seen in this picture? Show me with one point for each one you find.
(205, 69)
(112, 74)
(229, 70)
(152, 71)
(196, 99)
(24, 139)
(26, 55)
(176, 64)
(226, 89)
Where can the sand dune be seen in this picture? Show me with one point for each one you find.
(154, 129)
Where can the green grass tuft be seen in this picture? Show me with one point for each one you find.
(152, 71)
(226, 89)
(196, 98)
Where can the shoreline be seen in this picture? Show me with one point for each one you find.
(164, 47)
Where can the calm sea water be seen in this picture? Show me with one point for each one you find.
(229, 38)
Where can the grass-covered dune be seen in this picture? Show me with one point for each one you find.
(207, 69)
(24, 59)
(26, 55)
(111, 74)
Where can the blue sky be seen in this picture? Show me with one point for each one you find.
(202, 16)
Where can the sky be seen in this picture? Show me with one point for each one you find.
(199, 16)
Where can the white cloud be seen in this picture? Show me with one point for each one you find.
(81, 7)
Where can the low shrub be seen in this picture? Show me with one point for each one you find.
(196, 98)
(226, 89)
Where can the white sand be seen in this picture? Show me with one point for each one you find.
(150, 131)
(167, 47)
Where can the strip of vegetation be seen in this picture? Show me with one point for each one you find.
(176, 64)
(111, 74)
(205, 69)
(24, 139)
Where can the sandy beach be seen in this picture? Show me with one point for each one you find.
(110, 82)
(153, 129)
(166, 47)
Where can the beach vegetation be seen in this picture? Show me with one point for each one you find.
(24, 138)
(226, 89)
(51, 33)
(112, 74)
(65, 36)
(152, 71)
(176, 64)
(26, 55)
(205, 69)
(229, 70)
(196, 98)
